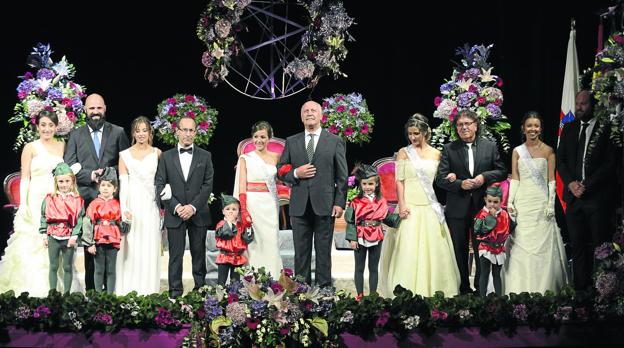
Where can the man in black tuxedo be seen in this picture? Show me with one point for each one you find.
(588, 188)
(90, 149)
(183, 184)
(314, 163)
(477, 164)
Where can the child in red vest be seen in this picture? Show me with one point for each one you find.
(61, 222)
(491, 228)
(364, 216)
(232, 235)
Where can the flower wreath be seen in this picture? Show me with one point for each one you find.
(50, 88)
(472, 86)
(607, 86)
(348, 117)
(171, 110)
(323, 44)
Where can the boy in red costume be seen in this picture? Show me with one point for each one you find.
(364, 216)
(102, 230)
(61, 222)
(232, 234)
(491, 228)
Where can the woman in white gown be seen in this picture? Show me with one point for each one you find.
(536, 259)
(138, 261)
(25, 264)
(255, 186)
(422, 259)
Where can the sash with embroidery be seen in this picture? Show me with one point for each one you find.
(536, 176)
(426, 186)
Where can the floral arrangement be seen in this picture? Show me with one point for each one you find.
(472, 86)
(263, 312)
(323, 44)
(348, 117)
(607, 85)
(171, 110)
(50, 88)
(609, 277)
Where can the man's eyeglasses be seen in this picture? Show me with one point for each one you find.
(465, 124)
(186, 130)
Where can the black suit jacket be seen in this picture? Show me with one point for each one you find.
(455, 160)
(80, 149)
(328, 187)
(195, 190)
(599, 166)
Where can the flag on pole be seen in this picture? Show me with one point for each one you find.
(570, 88)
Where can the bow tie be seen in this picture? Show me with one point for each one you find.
(189, 150)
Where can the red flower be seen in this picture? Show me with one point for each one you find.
(172, 111)
(202, 108)
(204, 125)
(284, 331)
(452, 115)
(481, 100)
(353, 111)
(499, 82)
(324, 119)
(253, 323)
(67, 102)
(339, 98)
(288, 271)
(171, 101)
(364, 129)
(189, 99)
(472, 89)
(174, 125)
(498, 102)
(71, 116)
(438, 314)
(325, 104)
(232, 298)
(340, 108)
(333, 129)
(618, 38)
(348, 131)
(437, 101)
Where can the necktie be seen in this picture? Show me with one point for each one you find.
(580, 152)
(470, 159)
(310, 147)
(96, 142)
(189, 150)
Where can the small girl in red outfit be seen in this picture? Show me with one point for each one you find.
(61, 222)
(491, 228)
(364, 216)
(102, 230)
(232, 235)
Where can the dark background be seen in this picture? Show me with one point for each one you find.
(135, 54)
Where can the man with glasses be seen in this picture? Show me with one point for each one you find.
(183, 185)
(476, 163)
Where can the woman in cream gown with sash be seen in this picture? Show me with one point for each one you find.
(536, 259)
(422, 259)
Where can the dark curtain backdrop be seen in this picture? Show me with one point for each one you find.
(135, 54)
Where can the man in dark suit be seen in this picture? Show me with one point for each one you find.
(588, 188)
(477, 164)
(183, 184)
(90, 149)
(314, 163)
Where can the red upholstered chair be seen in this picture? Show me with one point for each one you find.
(386, 169)
(275, 145)
(12, 191)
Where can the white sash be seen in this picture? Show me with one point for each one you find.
(269, 179)
(427, 187)
(536, 176)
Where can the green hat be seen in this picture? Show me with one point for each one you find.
(227, 200)
(62, 169)
(364, 171)
(109, 174)
(495, 191)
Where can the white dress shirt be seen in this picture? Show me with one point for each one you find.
(317, 135)
(185, 161)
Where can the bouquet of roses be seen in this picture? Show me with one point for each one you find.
(171, 110)
(348, 117)
(49, 88)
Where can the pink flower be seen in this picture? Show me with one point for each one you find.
(472, 89)
(288, 272)
(28, 75)
(33, 120)
(480, 100)
(437, 101)
(284, 331)
(202, 108)
(353, 111)
(67, 102)
(499, 82)
(333, 129)
(232, 298)
(340, 108)
(253, 323)
(171, 101)
(348, 131)
(204, 125)
(618, 38)
(71, 116)
(325, 104)
(21, 95)
(190, 114)
(174, 125)
(351, 181)
(189, 99)
(172, 111)
(364, 129)
(452, 115)
(339, 98)
(498, 102)
(438, 314)
(324, 119)
(277, 288)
